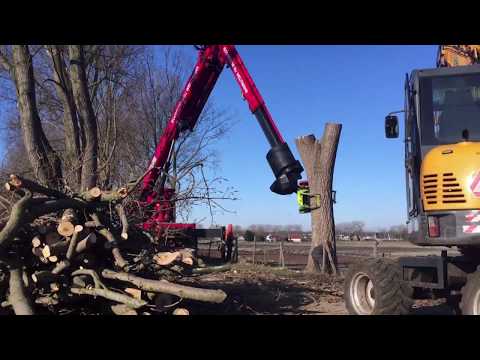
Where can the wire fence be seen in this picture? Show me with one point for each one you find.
(261, 253)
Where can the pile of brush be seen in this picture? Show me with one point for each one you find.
(76, 253)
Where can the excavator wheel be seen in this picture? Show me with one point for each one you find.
(470, 252)
(375, 287)
(470, 303)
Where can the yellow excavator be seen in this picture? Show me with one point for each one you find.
(442, 173)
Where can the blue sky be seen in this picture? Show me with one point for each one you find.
(305, 87)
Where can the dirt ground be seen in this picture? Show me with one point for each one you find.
(267, 290)
(270, 290)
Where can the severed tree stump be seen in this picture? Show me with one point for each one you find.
(318, 158)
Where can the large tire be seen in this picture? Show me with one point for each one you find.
(470, 252)
(470, 303)
(375, 287)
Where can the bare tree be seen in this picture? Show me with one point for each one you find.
(354, 229)
(399, 232)
(319, 160)
(86, 116)
(97, 117)
(192, 173)
(43, 159)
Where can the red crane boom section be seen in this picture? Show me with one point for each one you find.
(210, 63)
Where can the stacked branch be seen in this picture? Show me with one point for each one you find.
(66, 243)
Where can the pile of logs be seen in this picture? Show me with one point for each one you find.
(77, 253)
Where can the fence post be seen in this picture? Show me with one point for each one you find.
(254, 248)
(235, 254)
(282, 258)
(264, 255)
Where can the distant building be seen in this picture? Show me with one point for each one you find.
(296, 238)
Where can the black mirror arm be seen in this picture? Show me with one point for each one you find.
(396, 112)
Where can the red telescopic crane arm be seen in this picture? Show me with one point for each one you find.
(210, 63)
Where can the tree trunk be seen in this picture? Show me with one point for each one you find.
(319, 161)
(63, 87)
(86, 116)
(45, 162)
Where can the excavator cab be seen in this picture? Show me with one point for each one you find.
(442, 154)
(442, 178)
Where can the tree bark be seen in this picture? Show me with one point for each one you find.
(72, 138)
(86, 116)
(45, 162)
(110, 295)
(17, 293)
(163, 286)
(319, 161)
(16, 220)
(19, 182)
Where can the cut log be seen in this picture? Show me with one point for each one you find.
(163, 286)
(53, 259)
(166, 258)
(123, 219)
(69, 215)
(90, 224)
(17, 295)
(60, 249)
(92, 194)
(80, 281)
(136, 293)
(69, 219)
(212, 269)
(86, 243)
(16, 219)
(117, 255)
(110, 295)
(72, 246)
(60, 267)
(36, 242)
(95, 192)
(181, 311)
(66, 228)
(187, 260)
(122, 309)
(46, 252)
(122, 192)
(19, 182)
(187, 256)
(46, 301)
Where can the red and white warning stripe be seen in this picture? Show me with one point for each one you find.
(471, 229)
(472, 217)
(475, 185)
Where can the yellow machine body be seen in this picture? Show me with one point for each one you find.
(449, 177)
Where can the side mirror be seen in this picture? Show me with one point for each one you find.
(391, 126)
